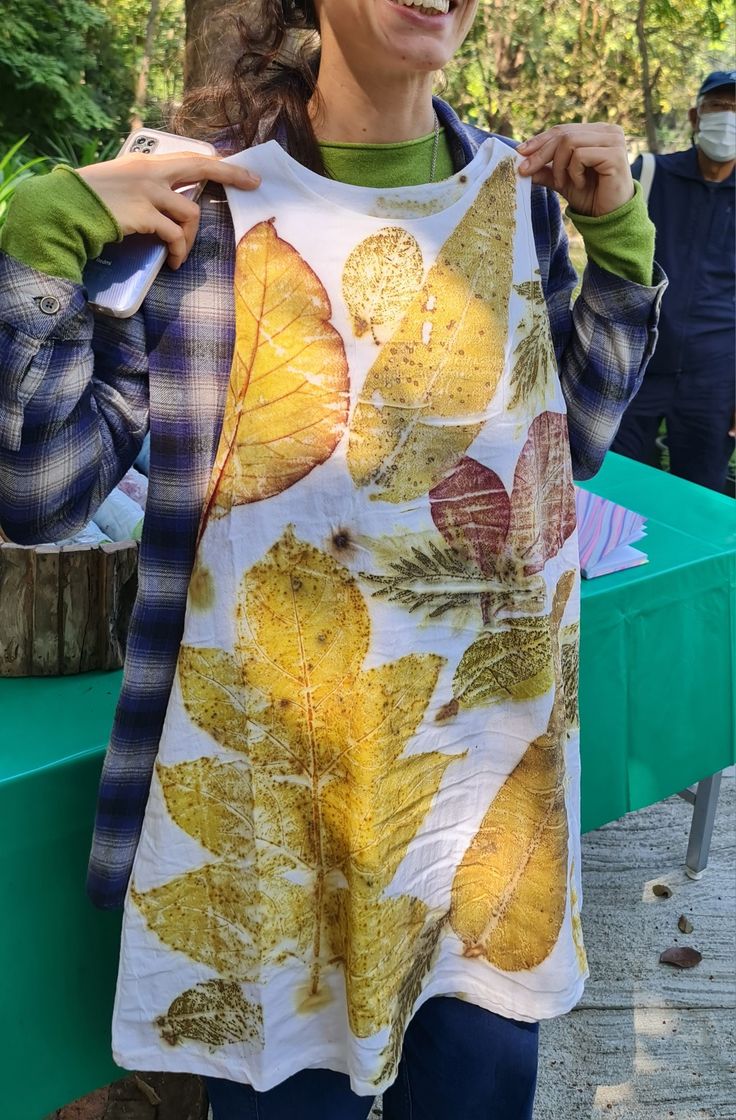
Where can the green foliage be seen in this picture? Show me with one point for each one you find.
(14, 168)
(69, 69)
(44, 52)
(528, 64)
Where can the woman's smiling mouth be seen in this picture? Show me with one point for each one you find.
(424, 11)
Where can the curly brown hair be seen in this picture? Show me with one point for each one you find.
(273, 80)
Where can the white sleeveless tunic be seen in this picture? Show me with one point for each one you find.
(367, 789)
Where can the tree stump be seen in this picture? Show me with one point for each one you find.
(65, 609)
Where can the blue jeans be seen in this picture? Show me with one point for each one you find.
(458, 1061)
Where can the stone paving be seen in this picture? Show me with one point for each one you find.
(647, 1041)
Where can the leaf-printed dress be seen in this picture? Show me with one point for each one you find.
(367, 788)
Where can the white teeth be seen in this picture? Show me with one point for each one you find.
(440, 6)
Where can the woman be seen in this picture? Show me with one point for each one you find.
(340, 801)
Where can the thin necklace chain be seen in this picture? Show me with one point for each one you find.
(435, 147)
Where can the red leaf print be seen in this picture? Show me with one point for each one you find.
(543, 497)
(471, 509)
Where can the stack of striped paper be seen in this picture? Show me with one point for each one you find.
(606, 532)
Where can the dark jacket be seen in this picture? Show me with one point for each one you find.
(695, 247)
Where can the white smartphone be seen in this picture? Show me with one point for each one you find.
(119, 279)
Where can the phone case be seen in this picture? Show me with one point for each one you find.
(119, 279)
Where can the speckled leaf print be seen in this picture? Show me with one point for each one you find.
(312, 817)
(215, 1013)
(204, 914)
(435, 579)
(570, 639)
(510, 664)
(427, 395)
(288, 396)
(534, 357)
(380, 278)
(543, 496)
(510, 891)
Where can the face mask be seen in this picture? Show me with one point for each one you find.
(716, 136)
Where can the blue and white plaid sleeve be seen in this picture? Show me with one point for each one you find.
(603, 342)
(73, 403)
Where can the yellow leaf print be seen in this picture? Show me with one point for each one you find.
(510, 890)
(204, 913)
(577, 925)
(213, 802)
(288, 396)
(316, 810)
(380, 278)
(215, 1013)
(426, 397)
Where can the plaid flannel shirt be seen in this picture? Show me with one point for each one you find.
(79, 392)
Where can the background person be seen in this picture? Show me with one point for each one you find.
(691, 379)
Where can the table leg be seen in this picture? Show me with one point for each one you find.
(704, 798)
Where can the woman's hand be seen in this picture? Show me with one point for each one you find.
(140, 192)
(587, 163)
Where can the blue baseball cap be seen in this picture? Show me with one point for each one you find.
(717, 79)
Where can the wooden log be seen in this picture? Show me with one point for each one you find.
(118, 567)
(17, 565)
(47, 643)
(65, 609)
(79, 600)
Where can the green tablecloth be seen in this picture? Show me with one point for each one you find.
(658, 653)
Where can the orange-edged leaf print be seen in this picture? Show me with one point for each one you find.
(215, 1013)
(543, 495)
(287, 402)
(427, 395)
(380, 278)
(509, 894)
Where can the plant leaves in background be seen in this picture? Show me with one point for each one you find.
(534, 357)
(425, 398)
(380, 278)
(216, 1013)
(509, 894)
(288, 395)
(543, 496)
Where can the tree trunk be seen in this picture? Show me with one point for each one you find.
(646, 81)
(141, 88)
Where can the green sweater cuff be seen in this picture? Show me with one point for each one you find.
(621, 242)
(56, 223)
